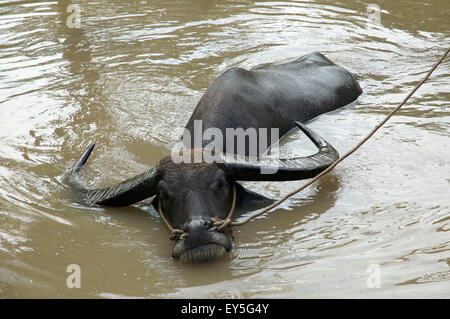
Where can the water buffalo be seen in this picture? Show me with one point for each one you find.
(189, 194)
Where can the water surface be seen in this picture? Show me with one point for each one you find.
(133, 72)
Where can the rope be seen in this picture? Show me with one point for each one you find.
(220, 224)
(348, 153)
(175, 233)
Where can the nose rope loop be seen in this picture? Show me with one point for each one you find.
(221, 224)
(217, 223)
(175, 233)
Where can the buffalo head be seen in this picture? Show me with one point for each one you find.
(188, 195)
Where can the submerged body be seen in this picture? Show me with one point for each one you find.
(274, 96)
(269, 96)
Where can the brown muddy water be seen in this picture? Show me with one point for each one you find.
(128, 73)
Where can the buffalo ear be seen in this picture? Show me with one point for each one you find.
(246, 200)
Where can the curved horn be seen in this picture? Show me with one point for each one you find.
(268, 169)
(125, 193)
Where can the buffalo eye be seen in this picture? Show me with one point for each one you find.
(164, 195)
(219, 185)
(163, 192)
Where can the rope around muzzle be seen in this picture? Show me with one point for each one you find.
(217, 224)
(220, 224)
